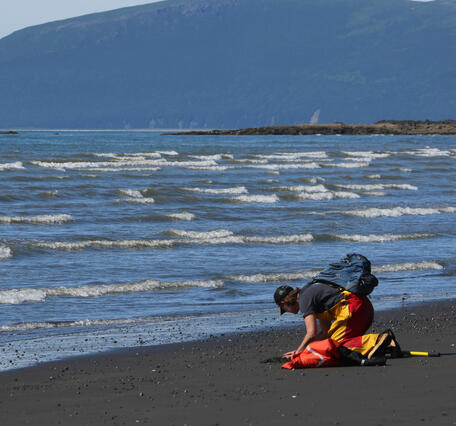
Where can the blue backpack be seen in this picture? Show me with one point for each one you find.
(352, 273)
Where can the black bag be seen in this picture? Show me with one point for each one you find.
(352, 273)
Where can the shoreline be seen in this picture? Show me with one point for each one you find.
(384, 127)
(84, 341)
(221, 381)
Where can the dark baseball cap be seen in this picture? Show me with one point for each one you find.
(280, 294)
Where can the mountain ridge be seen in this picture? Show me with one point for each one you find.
(232, 63)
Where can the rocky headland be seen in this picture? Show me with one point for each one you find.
(384, 127)
(9, 132)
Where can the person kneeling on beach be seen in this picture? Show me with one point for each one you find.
(343, 317)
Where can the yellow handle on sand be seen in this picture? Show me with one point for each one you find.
(416, 353)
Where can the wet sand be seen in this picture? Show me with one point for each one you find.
(222, 382)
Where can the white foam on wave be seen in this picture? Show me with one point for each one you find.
(135, 196)
(428, 152)
(293, 156)
(217, 233)
(378, 186)
(234, 190)
(280, 239)
(144, 200)
(374, 176)
(408, 266)
(121, 163)
(329, 195)
(215, 237)
(367, 155)
(209, 168)
(215, 157)
(291, 166)
(311, 273)
(354, 164)
(256, 198)
(381, 238)
(315, 196)
(399, 211)
(122, 169)
(21, 295)
(5, 252)
(130, 193)
(274, 277)
(170, 153)
(374, 193)
(59, 324)
(41, 219)
(303, 188)
(405, 170)
(11, 166)
(126, 244)
(181, 216)
(250, 161)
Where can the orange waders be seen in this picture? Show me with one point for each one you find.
(350, 318)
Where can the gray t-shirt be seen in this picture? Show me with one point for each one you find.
(317, 298)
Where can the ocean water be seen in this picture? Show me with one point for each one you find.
(115, 239)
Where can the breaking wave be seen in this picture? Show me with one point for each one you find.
(126, 244)
(130, 193)
(381, 238)
(21, 295)
(59, 324)
(379, 186)
(256, 199)
(354, 164)
(408, 266)
(10, 166)
(330, 195)
(5, 252)
(399, 211)
(41, 219)
(134, 196)
(308, 274)
(303, 188)
(218, 236)
(181, 216)
(218, 233)
(235, 190)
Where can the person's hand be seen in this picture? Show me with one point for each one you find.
(288, 354)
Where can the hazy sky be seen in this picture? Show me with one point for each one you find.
(18, 14)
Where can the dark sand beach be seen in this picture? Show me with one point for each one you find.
(222, 382)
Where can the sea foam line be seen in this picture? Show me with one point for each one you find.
(381, 238)
(256, 198)
(398, 211)
(21, 295)
(215, 237)
(330, 195)
(378, 186)
(309, 274)
(234, 190)
(78, 323)
(41, 219)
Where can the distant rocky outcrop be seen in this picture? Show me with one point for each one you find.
(385, 127)
(8, 132)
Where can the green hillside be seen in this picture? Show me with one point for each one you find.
(233, 63)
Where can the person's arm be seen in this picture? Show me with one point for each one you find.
(311, 334)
